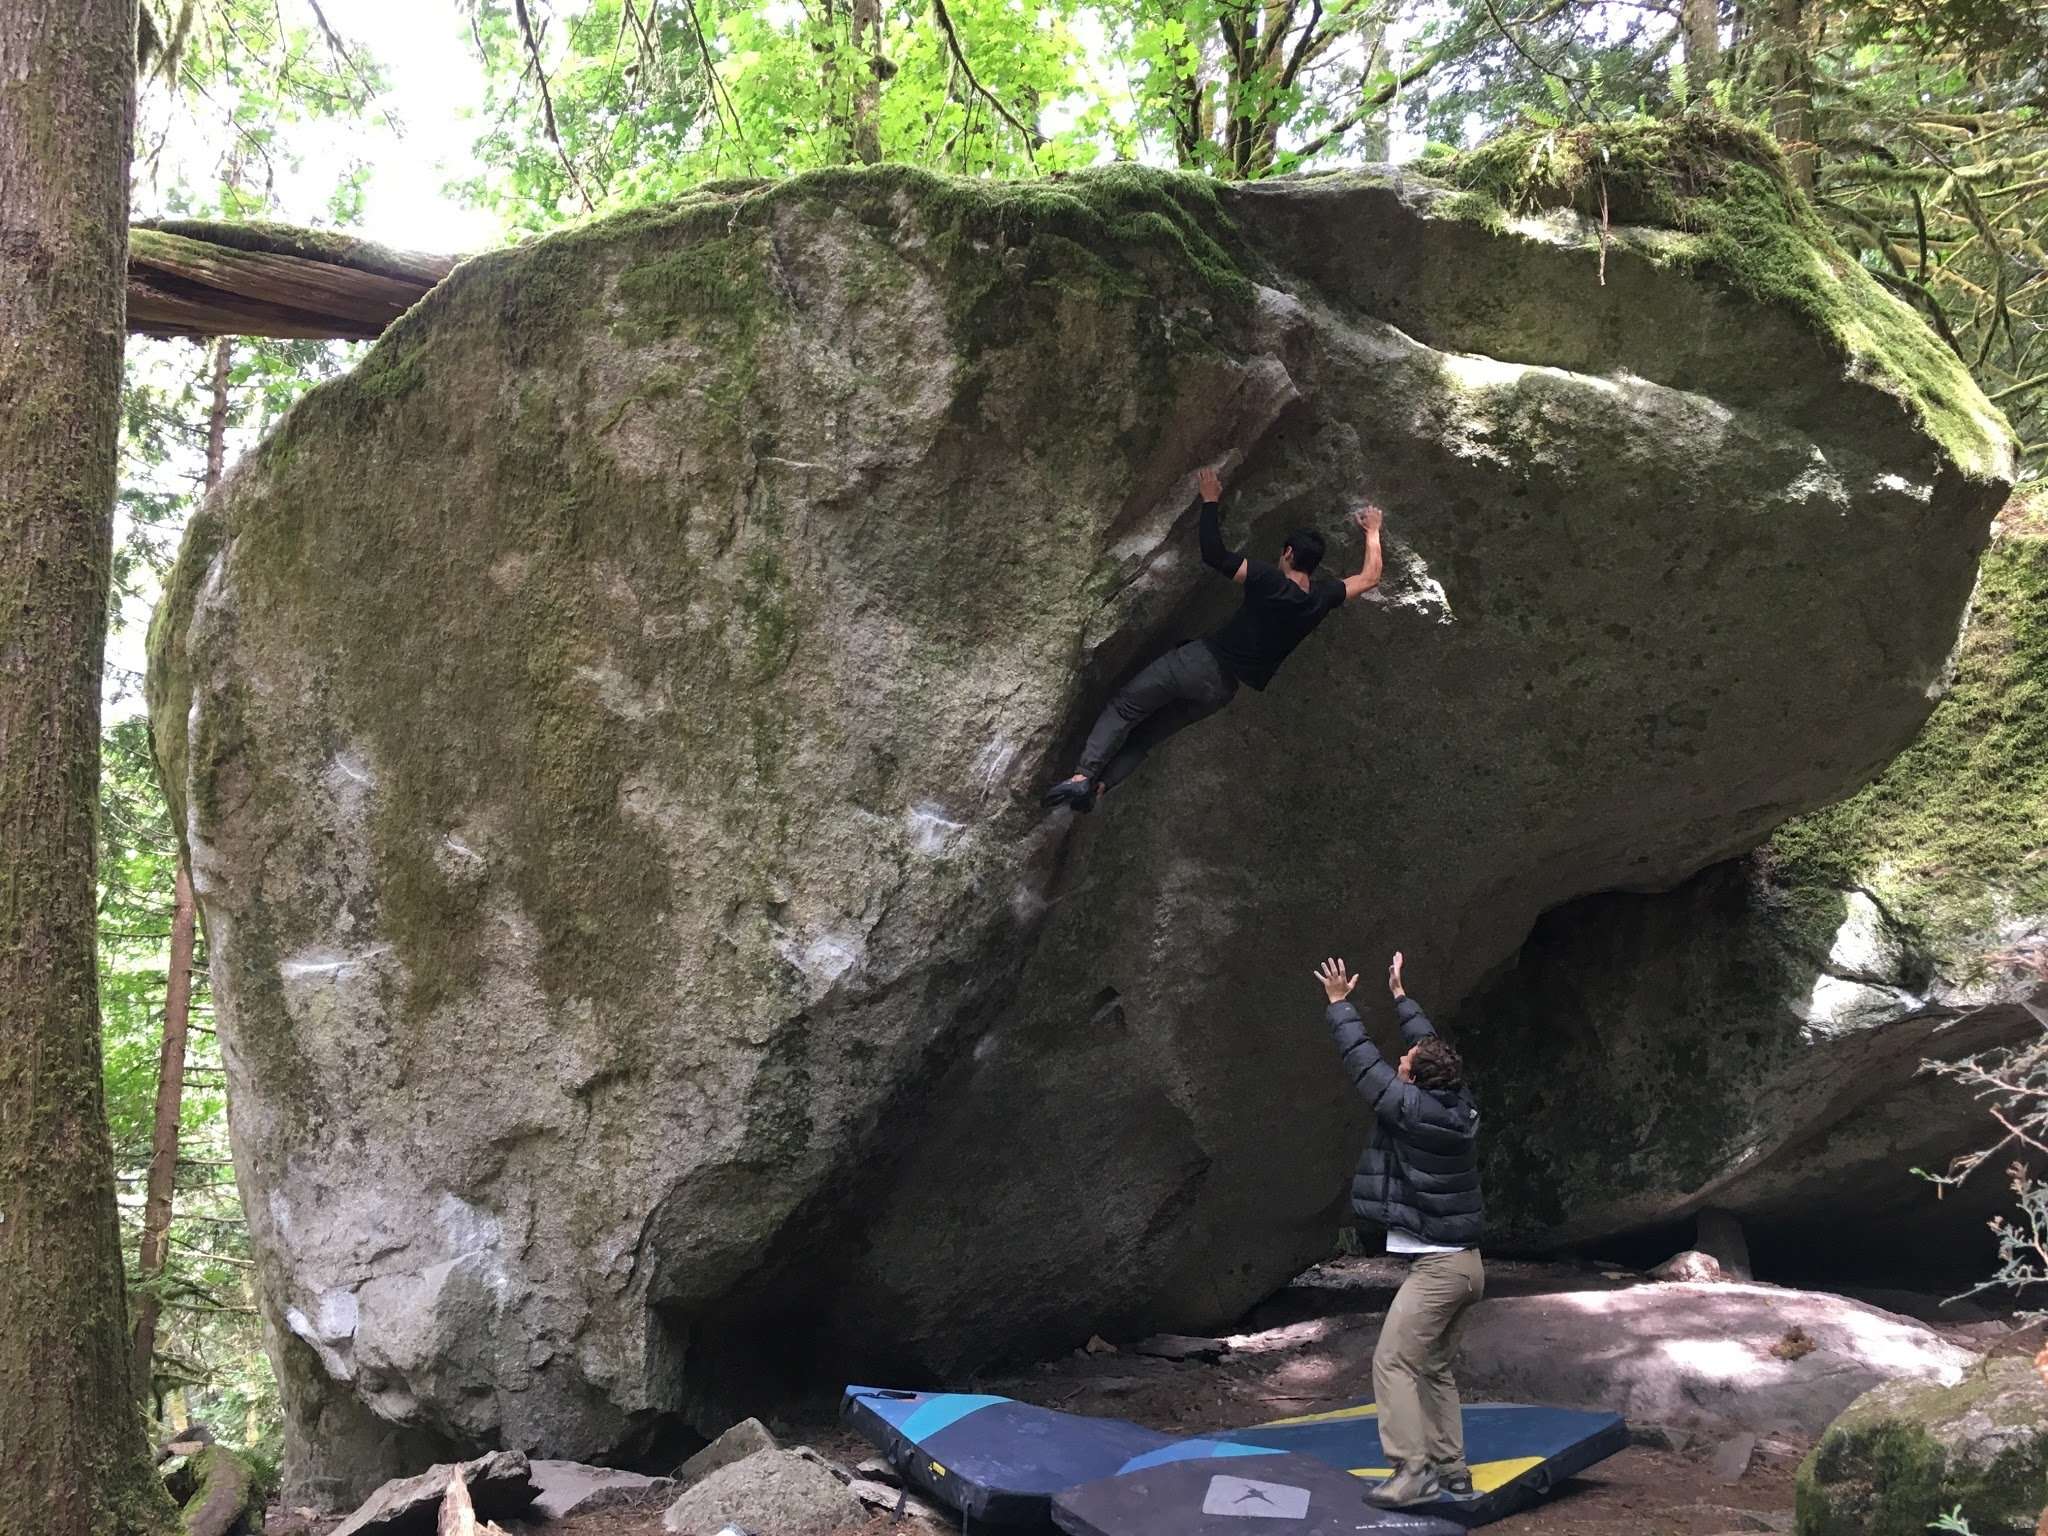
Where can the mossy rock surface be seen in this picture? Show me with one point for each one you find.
(1907, 1453)
(608, 724)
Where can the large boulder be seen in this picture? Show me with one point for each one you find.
(607, 725)
(1753, 1040)
(1906, 1453)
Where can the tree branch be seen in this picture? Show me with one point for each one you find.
(1450, 48)
(547, 101)
(1029, 135)
(717, 85)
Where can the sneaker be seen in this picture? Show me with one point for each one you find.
(1408, 1485)
(1076, 793)
(1456, 1485)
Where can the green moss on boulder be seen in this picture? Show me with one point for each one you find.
(1907, 1453)
(226, 1497)
(1724, 186)
(1952, 837)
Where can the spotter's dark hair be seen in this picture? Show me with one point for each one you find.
(1437, 1066)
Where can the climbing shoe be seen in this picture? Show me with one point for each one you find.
(1076, 794)
(1408, 1485)
(1456, 1485)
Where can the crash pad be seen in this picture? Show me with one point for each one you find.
(993, 1458)
(1517, 1452)
(1001, 1461)
(1264, 1495)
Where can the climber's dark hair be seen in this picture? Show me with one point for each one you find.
(1437, 1066)
(1307, 545)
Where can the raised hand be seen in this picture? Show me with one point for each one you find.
(1209, 483)
(1337, 982)
(1369, 517)
(1394, 976)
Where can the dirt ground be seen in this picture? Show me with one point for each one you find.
(1308, 1349)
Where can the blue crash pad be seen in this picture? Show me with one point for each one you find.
(992, 1458)
(1275, 1493)
(1001, 1461)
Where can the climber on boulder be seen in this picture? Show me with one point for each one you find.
(1282, 603)
(1419, 1178)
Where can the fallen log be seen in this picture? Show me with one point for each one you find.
(196, 277)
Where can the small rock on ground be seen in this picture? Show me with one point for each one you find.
(746, 1438)
(775, 1492)
(500, 1485)
(574, 1485)
(1690, 1265)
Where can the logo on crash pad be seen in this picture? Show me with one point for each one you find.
(1255, 1500)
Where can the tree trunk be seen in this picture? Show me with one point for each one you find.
(1701, 21)
(170, 1100)
(1191, 123)
(1376, 142)
(73, 1457)
(1788, 72)
(170, 1072)
(216, 460)
(867, 90)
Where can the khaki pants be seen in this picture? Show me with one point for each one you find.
(1411, 1368)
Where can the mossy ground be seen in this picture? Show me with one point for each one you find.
(1953, 837)
(1725, 186)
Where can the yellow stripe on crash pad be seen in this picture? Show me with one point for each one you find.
(1486, 1475)
(1489, 1475)
(1335, 1416)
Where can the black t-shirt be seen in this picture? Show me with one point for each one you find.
(1276, 617)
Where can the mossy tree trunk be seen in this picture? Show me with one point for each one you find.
(163, 1149)
(73, 1457)
(1786, 47)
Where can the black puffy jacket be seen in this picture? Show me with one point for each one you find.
(1420, 1172)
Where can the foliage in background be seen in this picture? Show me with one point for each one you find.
(2013, 1087)
(209, 1347)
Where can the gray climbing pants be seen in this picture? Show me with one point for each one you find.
(1181, 687)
